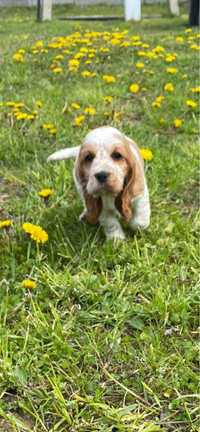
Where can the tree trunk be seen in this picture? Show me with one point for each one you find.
(194, 13)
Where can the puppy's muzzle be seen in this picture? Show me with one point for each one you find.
(102, 177)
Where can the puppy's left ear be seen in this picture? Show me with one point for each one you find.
(134, 183)
(94, 207)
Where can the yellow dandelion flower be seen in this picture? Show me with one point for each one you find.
(84, 50)
(139, 65)
(135, 38)
(59, 57)
(158, 49)
(125, 44)
(78, 121)
(39, 44)
(109, 79)
(179, 39)
(88, 62)
(38, 103)
(191, 103)
(27, 227)
(104, 50)
(107, 113)
(66, 52)
(136, 43)
(53, 131)
(87, 74)
(75, 105)
(115, 41)
(30, 117)
(18, 57)
(146, 154)
(162, 121)
(134, 88)
(20, 115)
(57, 70)
(6, 223)
(79, 55)
(170, 58)
(195, 47)
(172, 70)
(73, 65)
(189, 30)
(48, 126)
(90, 111)
(38, 234)
(108, 99)
(145, 45)
(169, 87)
(19, 104)
(177, 123)
(45, 193)
(157, 102)
(29, 283)
(117, 116)
(10, 104)
(195, 89)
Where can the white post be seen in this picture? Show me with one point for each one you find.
(132, 10)
(44, 10)
(174, 7)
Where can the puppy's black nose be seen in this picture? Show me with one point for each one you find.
(102, 176)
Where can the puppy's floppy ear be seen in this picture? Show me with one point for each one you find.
(93, 205)
(134, 182)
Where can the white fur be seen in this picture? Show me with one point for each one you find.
(141, 211)
(109, 219)
(103, 139)
(67, 153)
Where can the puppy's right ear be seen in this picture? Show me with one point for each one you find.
(67, 153)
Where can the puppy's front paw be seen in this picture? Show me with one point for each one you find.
(115, 236)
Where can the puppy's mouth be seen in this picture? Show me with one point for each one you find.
(110, 186)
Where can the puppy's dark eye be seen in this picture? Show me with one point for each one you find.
(89, 157)
(116, 155)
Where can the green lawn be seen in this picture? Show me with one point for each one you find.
(107, 339)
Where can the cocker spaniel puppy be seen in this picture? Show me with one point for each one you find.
(109, 175)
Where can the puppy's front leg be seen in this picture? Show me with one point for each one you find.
(112, 227)
(141, 212)
(109, 221)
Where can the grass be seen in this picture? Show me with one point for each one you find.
(107, 341)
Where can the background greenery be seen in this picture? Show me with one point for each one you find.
(107, 341)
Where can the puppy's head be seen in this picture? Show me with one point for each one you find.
(107, 164)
